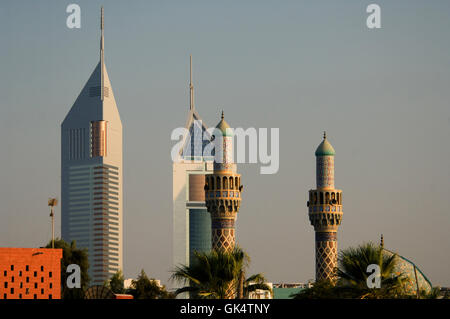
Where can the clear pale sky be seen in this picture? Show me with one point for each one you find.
(302, 66)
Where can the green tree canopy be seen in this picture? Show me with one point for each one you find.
(146, 288)
(72, 255)
(212, 273)
(116, 283)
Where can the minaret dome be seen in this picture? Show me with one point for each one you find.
(325, 148)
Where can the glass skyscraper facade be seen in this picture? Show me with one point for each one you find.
(199, 231)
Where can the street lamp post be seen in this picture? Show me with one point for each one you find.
(52, 202)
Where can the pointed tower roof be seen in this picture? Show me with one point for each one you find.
(325, 148)
(96, 99)
(223, 126)
(193, 124)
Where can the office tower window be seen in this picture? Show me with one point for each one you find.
(20, 273)
(35, 274)
(42, 268)
(28, 279)
(27, 268)
(12, 267)
(50, 274)
(98, 138)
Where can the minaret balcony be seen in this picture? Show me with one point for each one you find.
(224, 194)
(325, 208)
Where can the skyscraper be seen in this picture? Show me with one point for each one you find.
(91, 174)
(191, 221)
(325, 212)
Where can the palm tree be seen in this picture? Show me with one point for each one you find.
(352, 272)
(352, 276)
(212, 275)
(254, 283)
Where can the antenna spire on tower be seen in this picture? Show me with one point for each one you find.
(191, 86)
(102, 55)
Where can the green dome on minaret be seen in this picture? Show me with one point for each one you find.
(325, 148)
(223, 125)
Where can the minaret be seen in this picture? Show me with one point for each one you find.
(325, 212)
(223, 190)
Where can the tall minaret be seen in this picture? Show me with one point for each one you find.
(325, 212)
(91, 173)
(223, 190)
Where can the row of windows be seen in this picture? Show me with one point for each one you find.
(106, 166)
(326, 209)
(5, 284)
(222, 183)
(78, 177)
(224, 194)
(330, 198)
(106, 172)
(105, 184)
(5, 296)
(103, 201)
(79, 170)
(80, 205)
(27, 268)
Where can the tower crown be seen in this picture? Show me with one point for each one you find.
(224, 127)
(325, 148)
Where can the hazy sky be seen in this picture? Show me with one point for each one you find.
(301, 66)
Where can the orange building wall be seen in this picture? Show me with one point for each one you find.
(40, 280)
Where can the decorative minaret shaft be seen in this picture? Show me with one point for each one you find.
(325, 212)
(223, 190)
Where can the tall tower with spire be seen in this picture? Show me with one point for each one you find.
(223, 190)
(91, 173)
(191, 221)
(325, 212)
